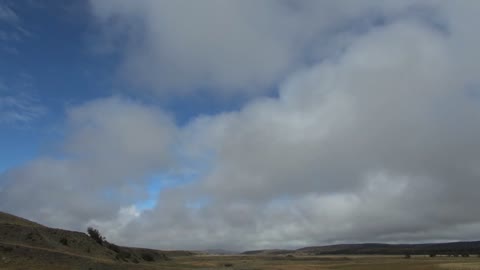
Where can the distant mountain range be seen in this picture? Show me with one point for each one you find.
(452, 248)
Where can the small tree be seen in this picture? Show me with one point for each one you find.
(95, 235)
(64, 241)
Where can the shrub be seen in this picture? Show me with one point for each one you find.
(95, 235)
(147, 257)
(228, 265)
(8, 249)
(64, 241)
(112, 247)
(125, 254)
(30, 236)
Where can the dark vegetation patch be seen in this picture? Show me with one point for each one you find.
(95, 235)
(64, 241)
(7, 249)
(147, 257)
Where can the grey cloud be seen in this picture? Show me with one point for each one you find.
(111, 148)
(227, 47)
(378, 142)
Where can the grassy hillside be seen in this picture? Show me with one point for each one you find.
(23, 242)
(6, 218)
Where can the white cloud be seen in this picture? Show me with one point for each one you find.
(7, 14)
(113, 229)
(19, 108)
(111, 148)
(377, 142)
(227, 47)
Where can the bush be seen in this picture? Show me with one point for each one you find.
(147, 257)
(112, 247)
(95, 235)
(8, 249)
(64, 241)
(125, 254)
(228, 265)
(30, 237)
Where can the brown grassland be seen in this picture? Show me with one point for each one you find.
(56, 261)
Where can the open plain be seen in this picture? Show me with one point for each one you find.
(28, 245)
(243, 262)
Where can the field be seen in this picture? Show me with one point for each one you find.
(211, 262)
(327, 262)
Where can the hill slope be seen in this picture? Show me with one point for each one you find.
(23, 242)
(6, 218)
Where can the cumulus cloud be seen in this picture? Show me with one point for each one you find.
(111, 147)
(377, 141)
(379, 144)
(228, 47)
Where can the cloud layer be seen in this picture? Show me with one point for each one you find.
(372, 136)
(228, 47)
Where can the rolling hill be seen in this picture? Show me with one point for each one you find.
(28, 245)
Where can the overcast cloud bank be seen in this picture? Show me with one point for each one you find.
(373, 135)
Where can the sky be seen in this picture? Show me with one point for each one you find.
(242, 124)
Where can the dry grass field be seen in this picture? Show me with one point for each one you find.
(327, 262)
(60, 261)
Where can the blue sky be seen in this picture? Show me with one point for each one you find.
(242, 124)
(48, 64)
(53, 59)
